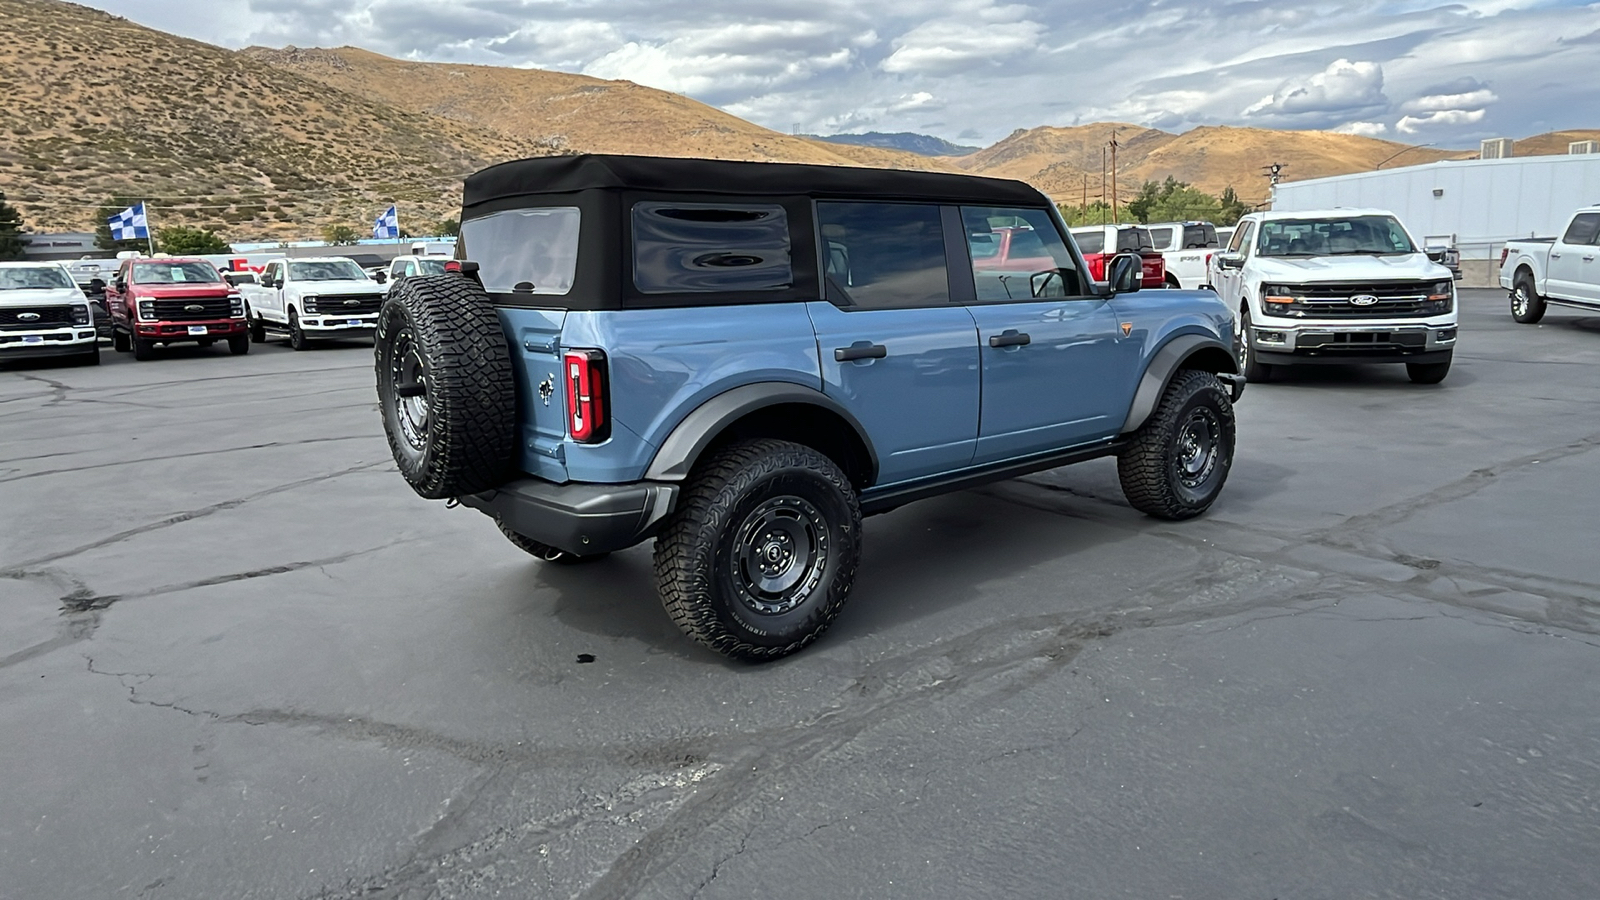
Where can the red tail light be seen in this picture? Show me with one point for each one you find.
(586, 396)
(1504, 252)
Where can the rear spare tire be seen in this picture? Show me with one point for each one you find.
(445, 386)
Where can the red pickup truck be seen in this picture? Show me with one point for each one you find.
(1099, 243)
(162, 300)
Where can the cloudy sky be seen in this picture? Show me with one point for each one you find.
(974, 70)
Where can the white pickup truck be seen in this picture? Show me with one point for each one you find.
(326, 297)
(43, 313)
(1564, 270)
(1187, 247)
(1335, 286)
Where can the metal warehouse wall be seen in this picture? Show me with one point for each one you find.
(1483, 202)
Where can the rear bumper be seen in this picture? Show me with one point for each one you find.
(584, 519)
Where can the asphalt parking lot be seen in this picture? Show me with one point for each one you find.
(241, 659)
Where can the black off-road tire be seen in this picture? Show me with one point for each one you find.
(297, 335)
(92, 358)
(1155, 469)
(544, 552)
(239, 345)
(143, 350)
(1250, 367)
(1427, 373)
(438, 336)
(258, 331)
(121, 341)
(738, 512)
(1527, 307)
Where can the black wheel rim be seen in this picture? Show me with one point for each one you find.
(1198, 448)
(779, 554)
(411, 412)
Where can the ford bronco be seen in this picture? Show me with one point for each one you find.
(741, 360)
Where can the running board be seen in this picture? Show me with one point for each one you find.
(875, 501)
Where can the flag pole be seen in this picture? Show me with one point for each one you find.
(149, 230)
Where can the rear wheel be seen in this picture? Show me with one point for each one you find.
(239, 345)
(1180, 458)
(1527, 306)
(760, 556)
(1427, 373)
(297, 335)
(1250, 367)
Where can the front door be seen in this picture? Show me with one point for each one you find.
(1052, 373)
(895, 351)
(1574, 272)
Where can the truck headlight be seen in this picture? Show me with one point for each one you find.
(147, 309)
(1441, 297)
(80, 315)
(236, 306)
(308, 303)
(1280, 300)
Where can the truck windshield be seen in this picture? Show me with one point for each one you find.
(175, 273)
(326, 270)
(33, 278)
(1356, 235)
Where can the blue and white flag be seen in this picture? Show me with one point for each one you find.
(130, 224)
(387, 225)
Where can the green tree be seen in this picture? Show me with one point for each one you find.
(186, 241)
(102, 230)
(1096, 213)
(1233, 209)
(1174, 201)
(340, 235)
(10, 230)
(448, 228)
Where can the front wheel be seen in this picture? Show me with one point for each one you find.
(121, 341)
(1527, 307)
(297, 335)
(92, 358)
(760, 556)
(1427, 373)
(258, 331)
(144, 350)
(240, 345)
(1250, 367)
(1180, 459)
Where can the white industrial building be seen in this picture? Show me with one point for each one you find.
(1479, 203)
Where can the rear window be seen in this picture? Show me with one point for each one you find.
(1091, 241)
(1162, 237)
(527, 251)
(710, 248)
(1134, 239)
(1199, 236)
(884, 255)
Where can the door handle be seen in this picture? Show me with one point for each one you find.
(1010, 338)
(1588, 259)
(1555, 256)
(860, 350)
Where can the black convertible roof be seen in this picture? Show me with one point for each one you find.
(566, 174)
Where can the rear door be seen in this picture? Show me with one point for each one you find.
(1052, 373)
(895, 350)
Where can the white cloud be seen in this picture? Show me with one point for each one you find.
(1342, 87)
(1469, 100)
(981, 36)
(1446, 117)
(1364, 129)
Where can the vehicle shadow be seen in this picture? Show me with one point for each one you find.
(1381, 376)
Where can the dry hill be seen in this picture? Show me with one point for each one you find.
(1553, 143)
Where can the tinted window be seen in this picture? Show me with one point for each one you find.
(175, 273)
(883, 255)
(1090, 241)
(1161, 237)
(1356, 235)
(535, 250)
(1198, 236)
(700, 247)
(1583, 229)
(1017, 254)
(1134, 239)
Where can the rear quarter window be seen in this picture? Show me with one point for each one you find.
(683, 248)
(1090, 241)
(531, 251)
(1162, 238)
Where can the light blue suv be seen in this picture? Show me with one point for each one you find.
(741, 360)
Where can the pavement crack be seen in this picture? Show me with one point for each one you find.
(73, 470)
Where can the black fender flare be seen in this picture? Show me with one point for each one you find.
(1166, 363)
(690, 437)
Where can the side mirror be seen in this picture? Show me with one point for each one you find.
(98, 285)
(1125, 273)
(1230, 260)
(122, 286)
(1435, 253)
(380, 277)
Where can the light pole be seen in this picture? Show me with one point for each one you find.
(1406, 150)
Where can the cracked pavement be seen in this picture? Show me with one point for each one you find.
(242, 660)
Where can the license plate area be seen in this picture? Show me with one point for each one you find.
(197, 329)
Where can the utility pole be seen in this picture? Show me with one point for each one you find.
(1114, 146)
(1102, 185)
(1086, 193)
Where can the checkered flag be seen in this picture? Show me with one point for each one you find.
(130, 224)
(387, 225)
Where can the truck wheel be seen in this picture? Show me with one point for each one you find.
(144, 350)
(120, 341)
(544, 552)
(1427, 373)
(297, 335)
(1180, 458)
(1172, 284)
(258, 331)
(445, 387)
(240, 345)
(1527, 306)
(761, 553)
(1251, 368)
(92, 358)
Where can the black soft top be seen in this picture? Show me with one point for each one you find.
(569, 174)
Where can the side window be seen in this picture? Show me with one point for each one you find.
(411, 268)
(1583, 229)
(397, 269)
(1244, 238)
(1237, 241)
(883, 255)
(1017, 254)
(1162, 238)
(1090, 242)
(710, 248)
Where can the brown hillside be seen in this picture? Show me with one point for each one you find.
(96, 105)
(1553, 143)
(575, 113)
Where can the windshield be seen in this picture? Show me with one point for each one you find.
(33, 278)
(326, 270)
(175, 273)
(1357, 235)
(431, 266)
